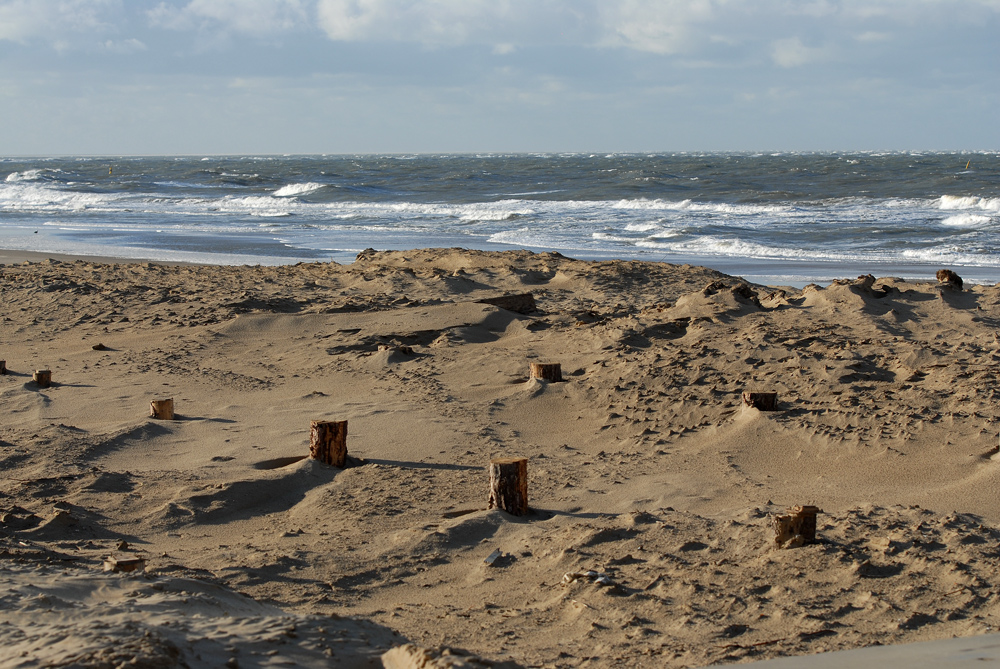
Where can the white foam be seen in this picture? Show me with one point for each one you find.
(27, 175)
(707, 207)
(503, 210)
(951, 255)
(292, 190)
(520, 237)
(641, 227)
(966, 220)
(608, 237)
(28, 196)
(709, 246)
(969, 202)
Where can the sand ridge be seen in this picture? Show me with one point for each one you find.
(651, 485)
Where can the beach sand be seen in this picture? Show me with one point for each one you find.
(652, 488)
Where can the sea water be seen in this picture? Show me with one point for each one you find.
(779, 218)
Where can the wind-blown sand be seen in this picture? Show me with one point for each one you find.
(644, 466)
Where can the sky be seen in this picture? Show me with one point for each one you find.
(152, 77)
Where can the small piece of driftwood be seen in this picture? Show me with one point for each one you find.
(328, 442)
(796, 528)
(761, 401)
(509, 485)
(42, 377)
(547, 371)
(162, 409)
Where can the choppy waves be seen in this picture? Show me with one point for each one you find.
(705, 208)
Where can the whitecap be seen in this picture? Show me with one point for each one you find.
(292, 190)
(966, 220)
(641, 227)
(968, 202)
(27, 175)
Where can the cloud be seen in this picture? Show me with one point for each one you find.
(791, 52)
(666, 27)
(437, 22)
(124, 46)
(659, 26)
(873, 36)
(24, 21)
(250, 17)
(663, 27)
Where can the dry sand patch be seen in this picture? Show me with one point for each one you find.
(651, 485)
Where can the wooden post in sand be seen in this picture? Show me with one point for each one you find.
(509, 485)
(162, 409)
(761, 401)
(43, 377)
(328, 442)
(3, 366)
(547, 371)
(796, 528)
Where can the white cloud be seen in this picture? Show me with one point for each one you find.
(652, 26)
(432, 22)
(252, 17)
(124, 46)
(659, 26)
(791, 52)
(873, 36)
(664, 26)
(26, 20)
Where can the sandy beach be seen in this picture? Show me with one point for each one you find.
(652, 487)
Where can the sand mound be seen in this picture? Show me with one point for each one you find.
(61, 617)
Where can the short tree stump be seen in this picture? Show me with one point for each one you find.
(509, 485)
(328, 442)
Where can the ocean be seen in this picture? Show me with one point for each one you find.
(776, 218)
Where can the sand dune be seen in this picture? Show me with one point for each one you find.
(651, 485)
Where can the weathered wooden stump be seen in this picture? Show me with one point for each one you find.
(162, 409)
(761, 401)
(509, 485)
(43, 377)
(3, 366)
(328, 442)
(547, 371)
(796, 528)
